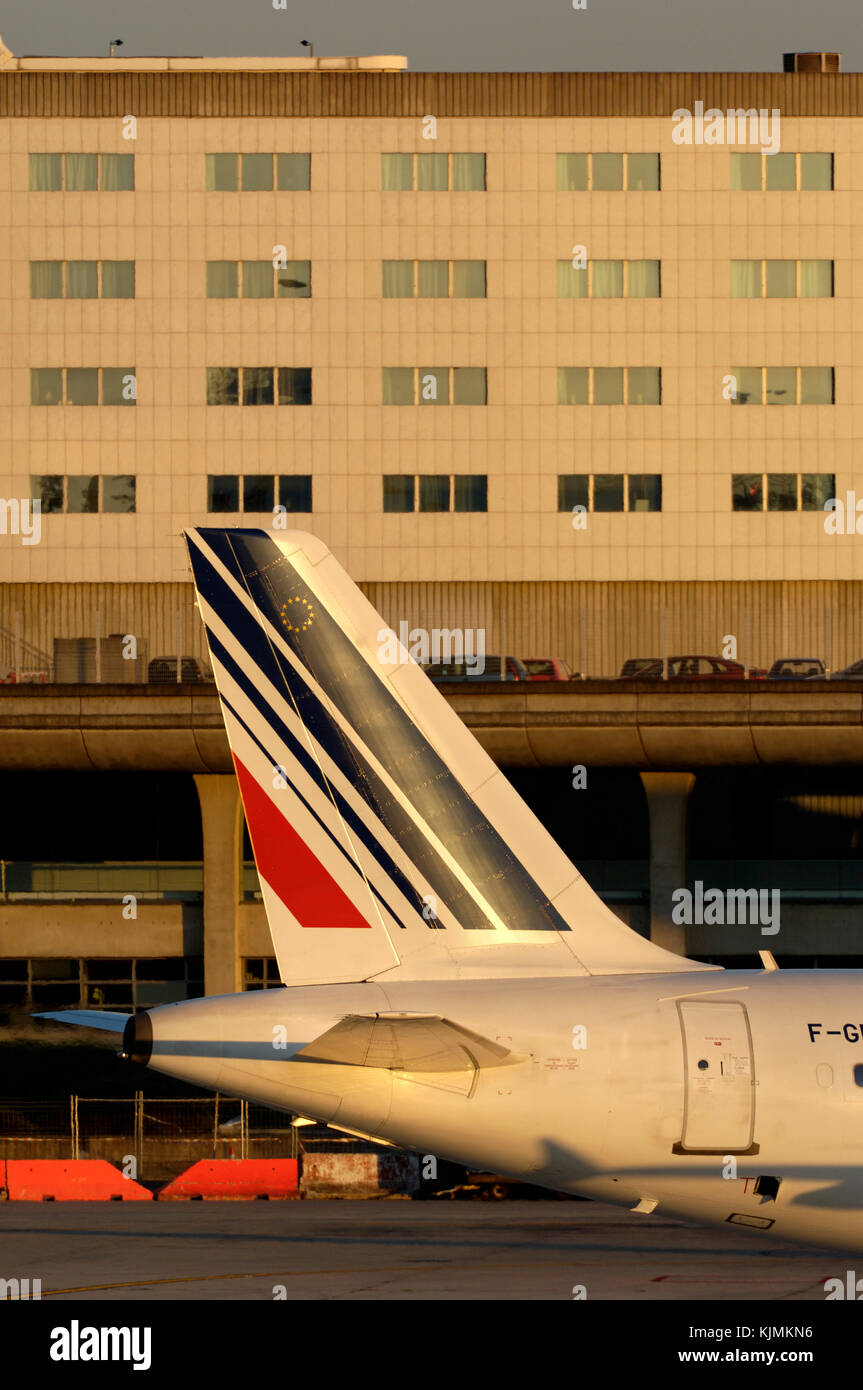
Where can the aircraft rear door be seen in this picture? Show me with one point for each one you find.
(719, 1101)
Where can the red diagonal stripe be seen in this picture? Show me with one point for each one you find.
(289, 866)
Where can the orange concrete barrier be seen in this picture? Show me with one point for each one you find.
(369, 1174)
(70, 1180)
(235, 1179)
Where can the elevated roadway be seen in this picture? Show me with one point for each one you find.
(645, 725)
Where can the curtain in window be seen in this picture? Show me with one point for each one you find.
(781, 385)
(432, 279)
(642, 279)
(780, 279)
(433, 385)
(82, 280)
(82, 172)
(643, 385)
(468, 386)
(573, 385)
(571, 283)
(746, 172)
(119, 386)
(468, 279)
(398, 386)
(221, 279)
(816, 279)
(293, 171)
(396, 172)
(608, 386)
(257, 279)
(257, 172)
(468, 172)
(746, 279)
(642, 171)
(470, 492)
(294, 280)
(46, 172)
(397, 279)
(572, 173)
(607, 172)
(816, 385)
(46, 279)
(781, 172)
(816, 171)
(221, 172)
(748, 384)
(82, 385)
(432, 171)
(608, 279)
(46, 385)
(118, 279)
(118, 172)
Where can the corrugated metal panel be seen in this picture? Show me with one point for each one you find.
(195, 94)
(595, 626)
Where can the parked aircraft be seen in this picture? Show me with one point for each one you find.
(451, 982)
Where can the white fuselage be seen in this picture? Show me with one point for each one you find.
(629, 1088)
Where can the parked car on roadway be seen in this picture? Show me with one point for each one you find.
(547, 668)
(695, 668)
(796, 668)
(854, 672)
(442, 672)
(162, 670)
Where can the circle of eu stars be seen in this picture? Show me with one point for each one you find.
(297, 614)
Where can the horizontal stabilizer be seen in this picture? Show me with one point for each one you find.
(90, 1018)
(405, 1042)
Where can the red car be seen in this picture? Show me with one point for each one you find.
(547, 668)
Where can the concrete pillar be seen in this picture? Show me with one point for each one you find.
(222, 822)
(667, 798)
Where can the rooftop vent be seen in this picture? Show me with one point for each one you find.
(811, 62)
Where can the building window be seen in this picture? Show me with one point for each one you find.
(434, 386)
(609, 280)
(257, 173)
(292, 491)
(594, 172)
(83, 386)
(82, 279)
(435, 492)
(781, 172)
(112, 173)
(85, 492)
(100, 984)
(433, 279)
(609, 492)
(783, 386)
(261, 973)
(258, 280)
(782, 492)
(781, 279)
(433, 172)
(609, 386)
(257, 385)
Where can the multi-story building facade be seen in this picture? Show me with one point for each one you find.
(526, 358)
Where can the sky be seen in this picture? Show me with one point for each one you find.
(453, 35)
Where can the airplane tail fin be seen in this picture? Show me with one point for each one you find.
(387, 841)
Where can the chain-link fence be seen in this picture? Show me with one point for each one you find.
(163, 1137)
